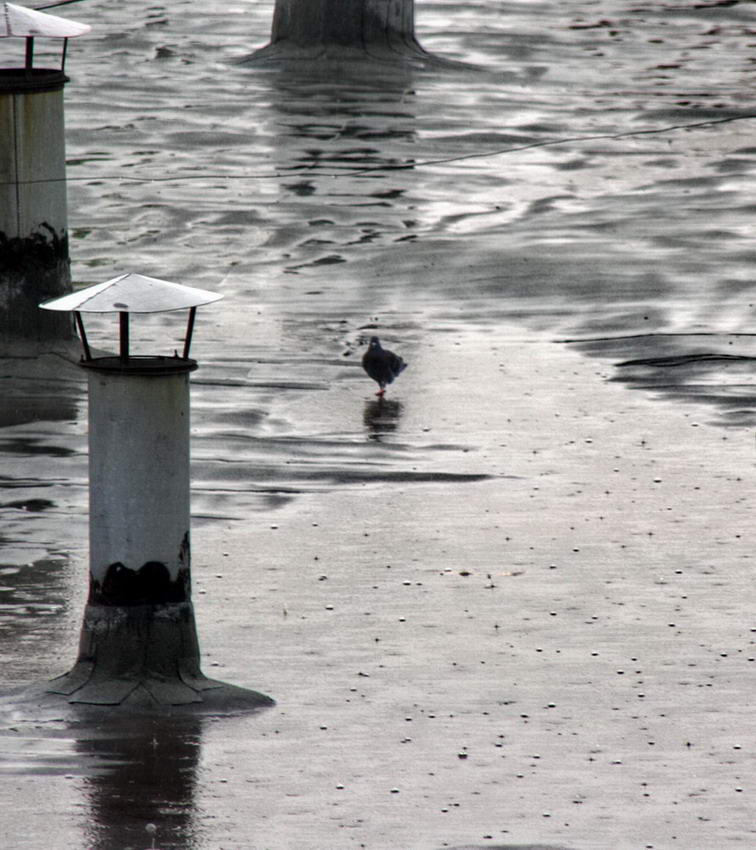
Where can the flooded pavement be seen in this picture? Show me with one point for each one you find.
(511, 605)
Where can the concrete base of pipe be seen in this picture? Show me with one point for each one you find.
(146, 656)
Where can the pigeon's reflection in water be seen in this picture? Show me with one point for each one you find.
(381, 417)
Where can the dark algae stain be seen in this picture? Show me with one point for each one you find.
(33, 269)
(151, 584)
(40, 249)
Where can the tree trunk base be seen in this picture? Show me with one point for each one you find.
(145, 656)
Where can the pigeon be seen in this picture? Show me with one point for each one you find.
(381, 365)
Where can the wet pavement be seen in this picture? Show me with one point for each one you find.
(511, 606)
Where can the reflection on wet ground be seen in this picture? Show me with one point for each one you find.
(36, 388)
(382, 417)
(137, 775)
(36, 408)
(38, 609)
(142, 787)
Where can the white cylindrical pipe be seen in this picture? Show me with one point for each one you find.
(34, 172)
(34, 260)
(139, 487)
(138, 641)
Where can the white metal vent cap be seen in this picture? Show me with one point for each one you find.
(133, 293)
(29, 23)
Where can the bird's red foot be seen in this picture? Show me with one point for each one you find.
(381, 393)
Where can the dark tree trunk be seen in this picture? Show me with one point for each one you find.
(377, 29)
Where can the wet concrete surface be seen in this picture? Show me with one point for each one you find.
(560, 647)
(511, 606)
